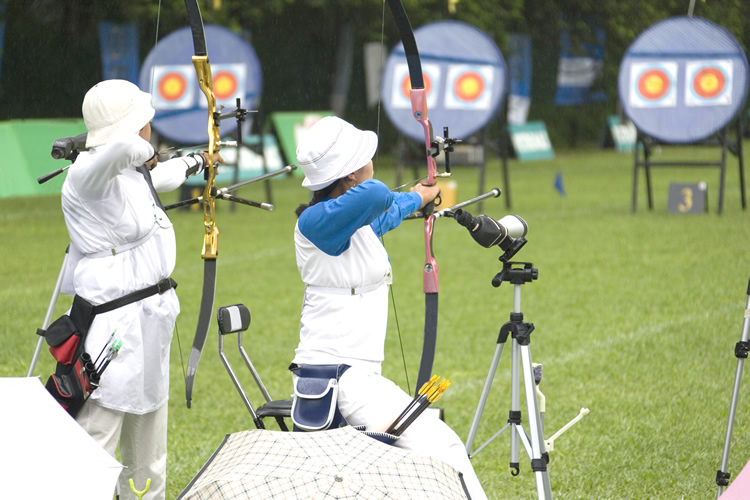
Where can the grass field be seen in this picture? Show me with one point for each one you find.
(636, 319)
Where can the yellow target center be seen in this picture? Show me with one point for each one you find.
(469, 86)
(172, 87)
(224, 86)
(654, 84)
(709, 83)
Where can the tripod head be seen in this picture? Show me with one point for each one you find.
(512, 249)
(517, 276)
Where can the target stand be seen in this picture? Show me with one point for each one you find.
(642, 159)
(683, 81)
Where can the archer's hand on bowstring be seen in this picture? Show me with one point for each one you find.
(428, 193)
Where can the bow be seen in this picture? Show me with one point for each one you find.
(418, 97)
(211, 236)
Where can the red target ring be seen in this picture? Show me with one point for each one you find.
(469, 86)
(709, 82)
(653, 84)
(172, 86)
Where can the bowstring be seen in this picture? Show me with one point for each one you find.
(382, 235)
(156, 41)
(151, 86)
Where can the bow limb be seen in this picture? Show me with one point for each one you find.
(418, 97)
(211, 235)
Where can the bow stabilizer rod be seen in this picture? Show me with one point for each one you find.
(450, 211)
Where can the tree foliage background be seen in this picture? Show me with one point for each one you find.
(51, 52)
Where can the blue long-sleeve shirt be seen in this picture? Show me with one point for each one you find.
(330, 224)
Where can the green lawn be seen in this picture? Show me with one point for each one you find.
(636, 319)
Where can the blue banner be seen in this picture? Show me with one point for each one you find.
(579, 68)
(519, 67)
(2, 34)
(2, 44)
(519, 64)
(119, 48)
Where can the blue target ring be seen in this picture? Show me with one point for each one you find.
(169, 75)
(683, 79)
(465, 77)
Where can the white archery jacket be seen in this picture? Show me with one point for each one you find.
(121, 241)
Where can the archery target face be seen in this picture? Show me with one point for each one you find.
(465, 83)
(708, 83)
(180, 104)
(469, 87)
(402, 85)
(653, 84)
(228, 83)
(173, 87)
(683, 79)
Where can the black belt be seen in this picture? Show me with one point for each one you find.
(160, 288)
(82, 311)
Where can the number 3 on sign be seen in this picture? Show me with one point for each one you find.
(687, 200)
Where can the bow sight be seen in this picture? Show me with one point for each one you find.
(444, 144)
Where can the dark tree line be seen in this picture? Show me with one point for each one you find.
(51, 49)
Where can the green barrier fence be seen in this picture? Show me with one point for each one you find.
(27, 145)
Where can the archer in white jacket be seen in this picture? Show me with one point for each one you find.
(122, 241)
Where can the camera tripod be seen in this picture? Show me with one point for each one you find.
(520, 333)
(741, 350)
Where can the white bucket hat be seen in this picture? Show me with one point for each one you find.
(332, 149)
(113, 108)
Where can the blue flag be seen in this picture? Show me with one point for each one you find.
(559, 184)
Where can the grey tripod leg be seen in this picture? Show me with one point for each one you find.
(533, 442)
(48, 316)
(539, 456)
(483, 399)
(740, 351)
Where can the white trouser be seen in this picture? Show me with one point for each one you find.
(369, 399)
(143, 445)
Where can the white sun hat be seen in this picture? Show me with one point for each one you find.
(113, 108)
(332, 149)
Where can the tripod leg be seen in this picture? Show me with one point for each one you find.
(48, 316)
(539, 454)
(483, 397)
(514, 417)
(740, 351)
